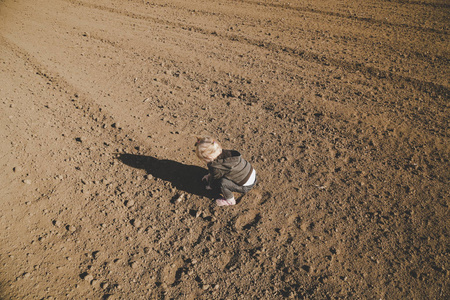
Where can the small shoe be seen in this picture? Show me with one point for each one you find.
(225, 202)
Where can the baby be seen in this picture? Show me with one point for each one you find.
(228, 171)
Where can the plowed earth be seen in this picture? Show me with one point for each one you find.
(342, 107)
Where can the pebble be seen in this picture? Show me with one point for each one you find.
(129, 203)
(306, 268)
(135, 223)
(71, 228)
(304, 227)
(17, 169)
(180, 198)
(89, 278)
(96, 254)
(27, 181)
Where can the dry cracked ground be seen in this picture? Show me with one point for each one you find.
(342, 107)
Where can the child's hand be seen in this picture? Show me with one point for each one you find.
(206, 178)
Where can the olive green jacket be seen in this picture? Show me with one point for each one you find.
(230, 165)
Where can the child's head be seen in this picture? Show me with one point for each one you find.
(207, 149)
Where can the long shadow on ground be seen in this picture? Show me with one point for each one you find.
(184, 177)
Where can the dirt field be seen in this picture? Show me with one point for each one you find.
(341, 106)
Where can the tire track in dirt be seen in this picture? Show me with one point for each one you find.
(79, 101)
(289, 6)
(41, 206)
(366, 40)
(373, 72)
(223, 16)
(421, 3)
(427, 87)
(351, 16)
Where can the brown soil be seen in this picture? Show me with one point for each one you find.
(342, 106)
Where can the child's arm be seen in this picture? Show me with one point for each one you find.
(206, 180)
(215, 174)
(206, 177)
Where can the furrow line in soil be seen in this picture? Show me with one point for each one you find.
(424, 86)
(420, 3)
(74, 104)
(310, 56)
(288, 30)
(89, 109)
(349, 16)
(348, 91)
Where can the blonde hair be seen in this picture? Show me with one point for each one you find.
(207, 148)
